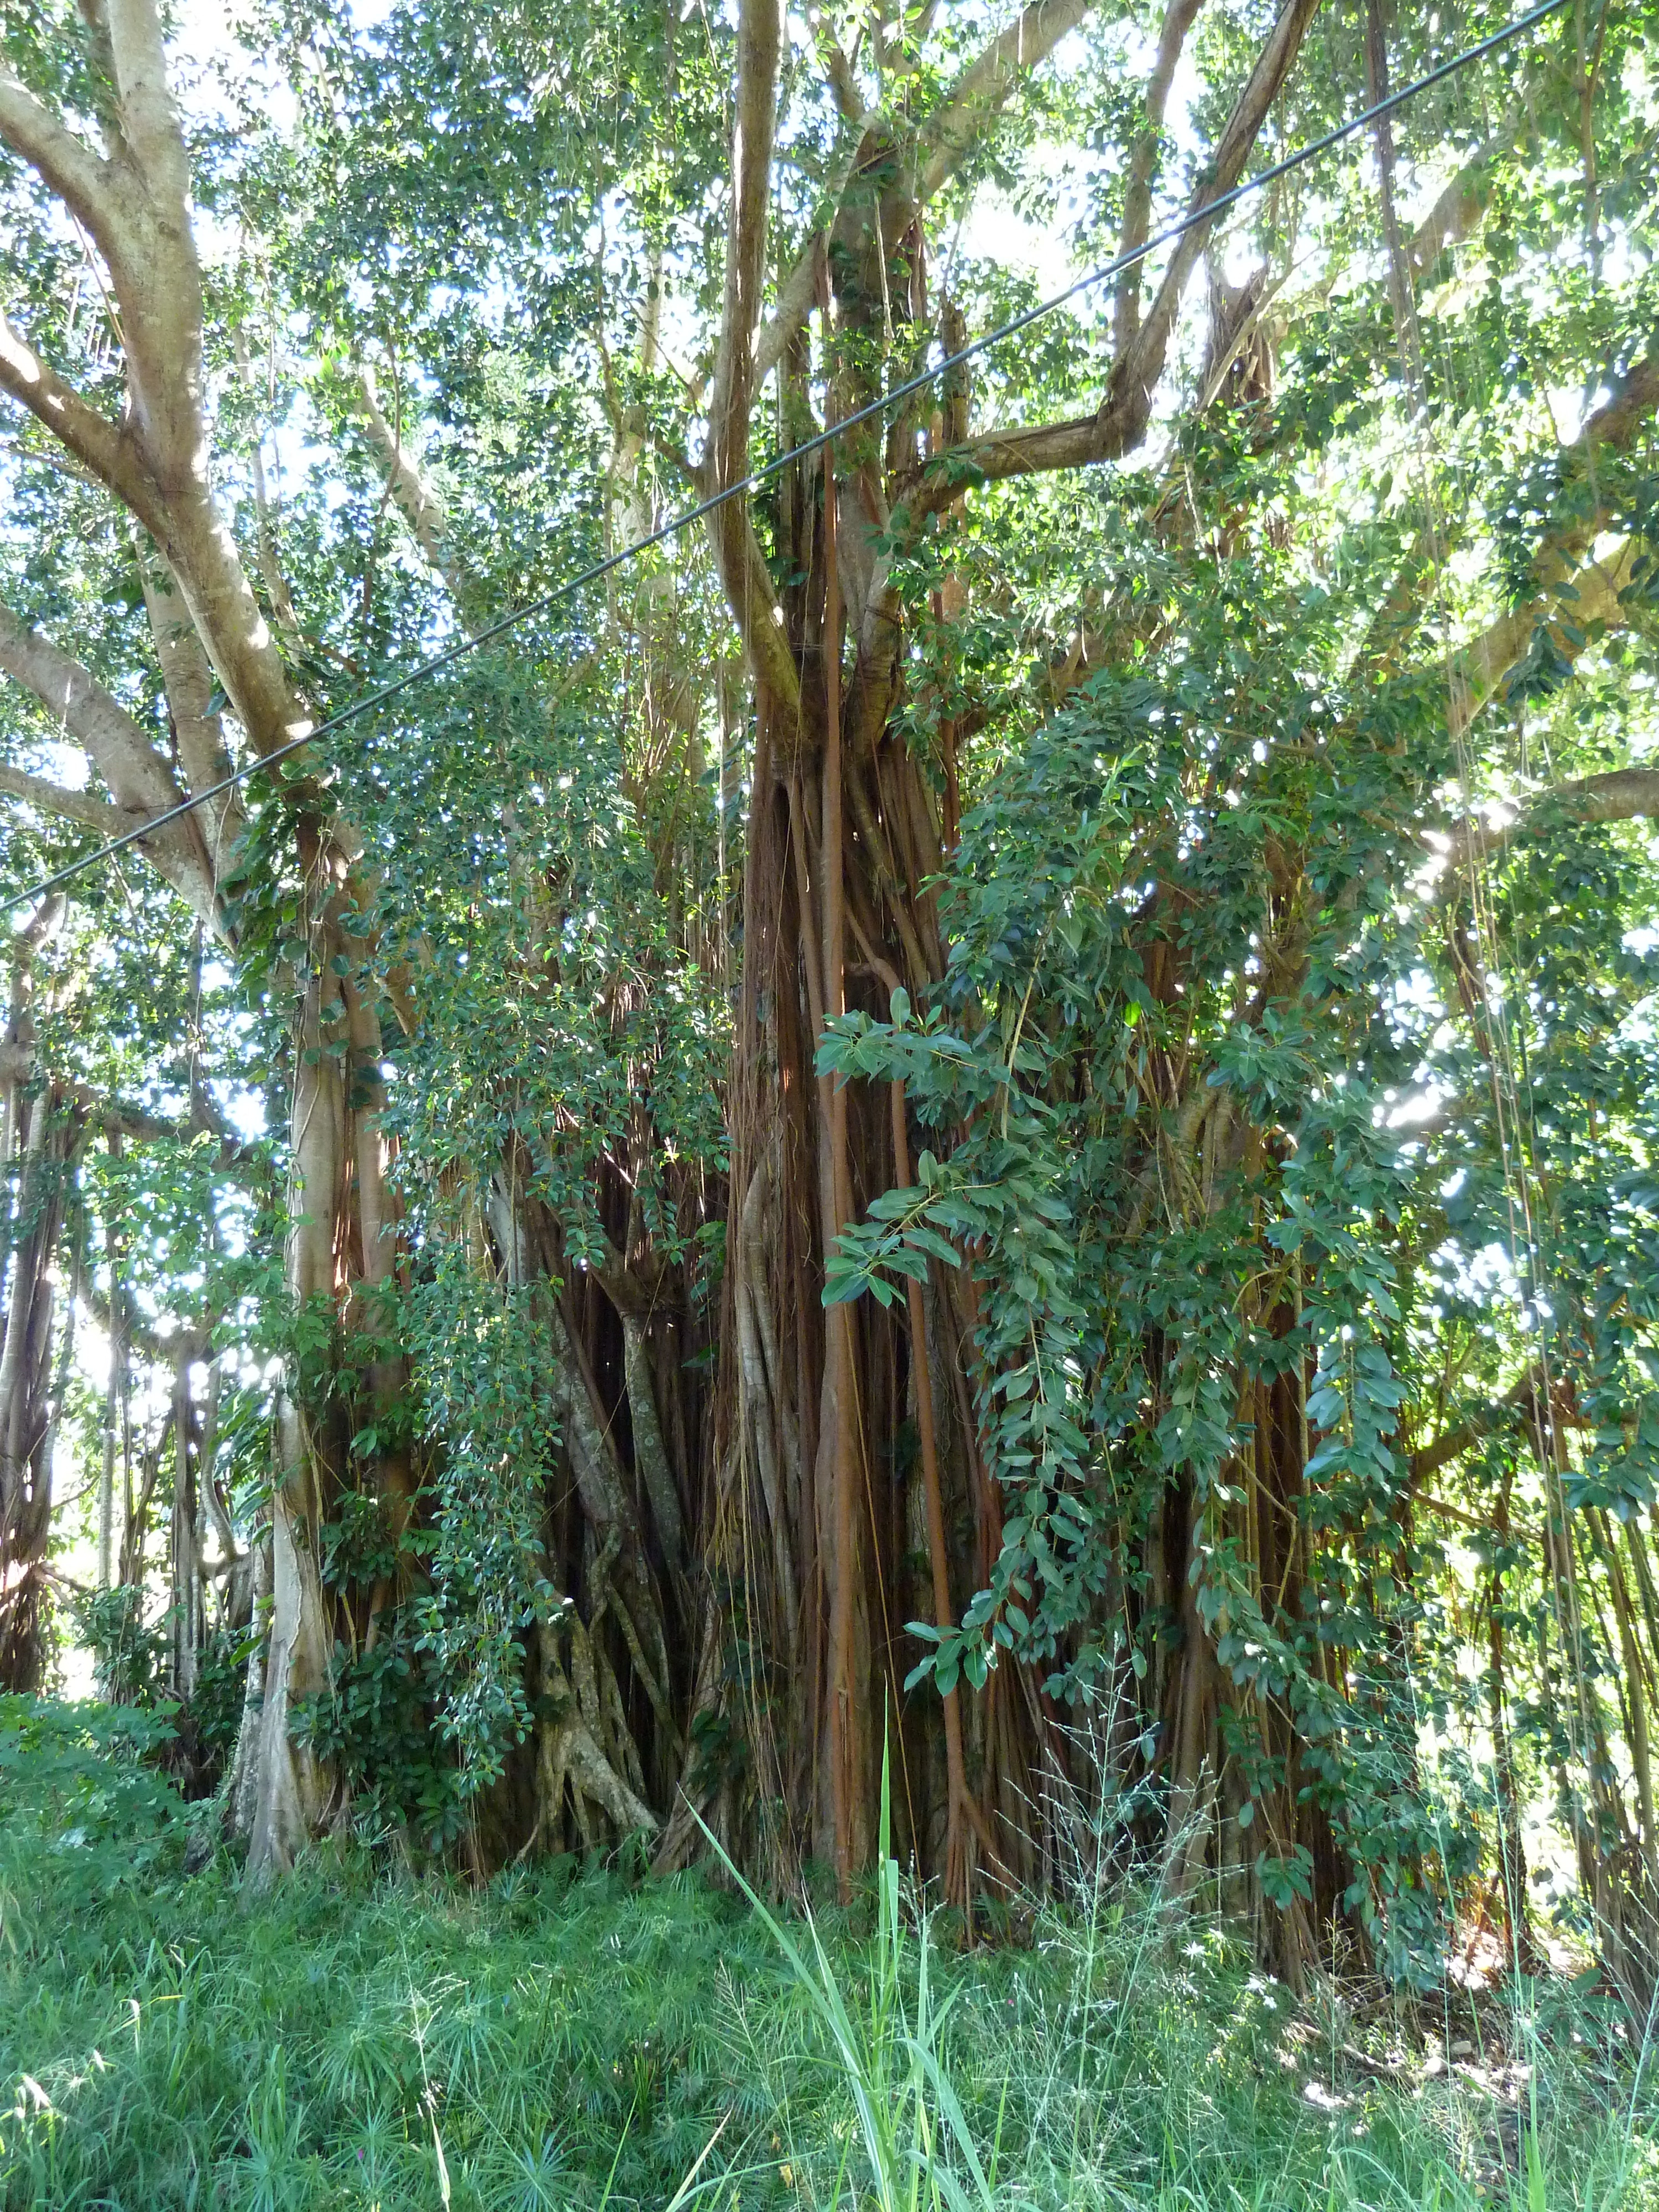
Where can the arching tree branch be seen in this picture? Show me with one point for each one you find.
(58, 799)
(156, 462)
(116, 1117)
(1555, 565)
(1580, 597)
(1466, 196)
(1620, 794)
(138, 776)
(77, 175)
(1120, 423)
(97, 444)
(946, 138)
(411, 494)
(1178, 19)
(140, 781)
(747, 586)
(980, 94)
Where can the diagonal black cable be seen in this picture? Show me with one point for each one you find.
(812, 445)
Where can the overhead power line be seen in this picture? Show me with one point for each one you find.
(691, 515)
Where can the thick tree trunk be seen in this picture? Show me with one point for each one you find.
(186, 1633)
(117, 1441)
(341, 1241)
(134, 203)
(39, 1145)
(825, 1419)
(44, 1172)
(852, 1500)
(287, 1788)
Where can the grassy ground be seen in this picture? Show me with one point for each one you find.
(574, 2039)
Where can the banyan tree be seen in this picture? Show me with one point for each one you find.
(987, 1116)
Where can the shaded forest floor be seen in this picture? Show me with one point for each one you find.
(575, 2038)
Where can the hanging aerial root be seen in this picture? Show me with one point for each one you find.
(569, 1749)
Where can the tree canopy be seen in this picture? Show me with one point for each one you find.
(997, 1110)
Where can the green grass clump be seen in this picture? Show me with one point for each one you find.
(576, 2039)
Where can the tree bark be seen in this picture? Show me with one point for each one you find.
(134, 202)
(843, 837)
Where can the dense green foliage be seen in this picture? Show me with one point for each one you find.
(1014, 1093)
